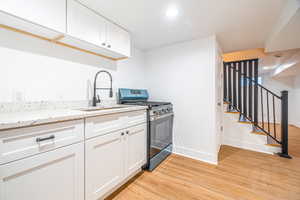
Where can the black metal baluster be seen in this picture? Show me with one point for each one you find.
(268, 112)
(245, 88)
(250, 89)
(239, 87)
(262, 107)
(274, 117)
(256, 92)
(225, 82)
(234, 85)
(229, 83)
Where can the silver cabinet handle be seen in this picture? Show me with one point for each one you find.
(51, 137)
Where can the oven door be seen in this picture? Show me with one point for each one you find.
(161, 135)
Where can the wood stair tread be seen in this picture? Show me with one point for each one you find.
(229, 112)
(273, 145)
(244, 122)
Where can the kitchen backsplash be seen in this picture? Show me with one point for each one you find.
(8, 107)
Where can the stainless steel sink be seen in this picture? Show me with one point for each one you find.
(90, 109)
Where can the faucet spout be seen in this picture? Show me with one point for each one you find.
(95, 99)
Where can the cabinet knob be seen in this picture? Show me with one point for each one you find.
(122, 133)
(103, 44)
(108, 46)
(127, 132)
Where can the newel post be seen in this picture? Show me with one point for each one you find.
(284, 125)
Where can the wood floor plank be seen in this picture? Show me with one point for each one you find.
(240, 175)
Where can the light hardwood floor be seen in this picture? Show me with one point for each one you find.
(240, 175)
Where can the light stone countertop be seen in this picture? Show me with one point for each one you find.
(39, 117)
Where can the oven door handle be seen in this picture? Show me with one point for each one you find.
(153, 118)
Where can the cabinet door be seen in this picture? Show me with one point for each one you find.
(57, 174)
(118, 40)
(104, 165)
(51, 14)
(85, 24)
(136, 141)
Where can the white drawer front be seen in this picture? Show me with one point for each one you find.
(137, 117)
(20, 143)
(101, 125)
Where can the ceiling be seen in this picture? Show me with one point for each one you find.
(281, 63)
(286, 36)
(238, 24)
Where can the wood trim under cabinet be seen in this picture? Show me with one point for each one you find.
(24, 32)
(56, 41)
(58, 38)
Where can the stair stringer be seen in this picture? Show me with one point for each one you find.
(239, 135)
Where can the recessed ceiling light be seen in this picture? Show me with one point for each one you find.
(172, 12)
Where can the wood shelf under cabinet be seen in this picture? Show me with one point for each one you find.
(56, 40)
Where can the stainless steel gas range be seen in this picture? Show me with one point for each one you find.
(160, 124)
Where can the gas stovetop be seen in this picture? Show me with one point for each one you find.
(140, 97)
(150, 104)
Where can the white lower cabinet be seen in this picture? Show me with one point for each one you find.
(104, 164)
(112, 158)
(136, 140)
(59, 161)
(57, 174)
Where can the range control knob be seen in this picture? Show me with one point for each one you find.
(156, 112)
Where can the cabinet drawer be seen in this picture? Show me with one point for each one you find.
(137, 117)
(20, 143)
(101, 125)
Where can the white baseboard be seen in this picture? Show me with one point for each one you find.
(251, 146)
(197, 155)
(297, 124)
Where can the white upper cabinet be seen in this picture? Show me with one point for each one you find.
(118, 39)
(81, 26)
(51, 14)
(85, 24)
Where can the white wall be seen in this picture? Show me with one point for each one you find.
(295, 101)
(218, 95)
(35, 70)
(184, 74)
(292, 85)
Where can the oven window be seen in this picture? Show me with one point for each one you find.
(161, 134)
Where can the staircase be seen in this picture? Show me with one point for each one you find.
(255, 105)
